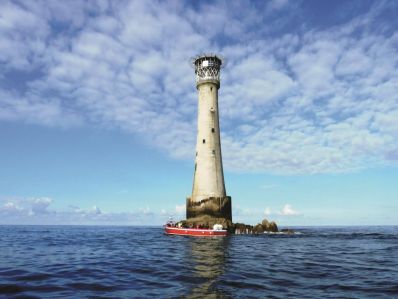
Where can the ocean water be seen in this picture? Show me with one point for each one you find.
(142, 262)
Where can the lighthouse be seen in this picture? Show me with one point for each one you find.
(208, 202)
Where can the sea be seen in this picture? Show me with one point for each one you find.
(142, 262)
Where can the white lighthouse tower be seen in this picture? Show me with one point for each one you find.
(208, 198)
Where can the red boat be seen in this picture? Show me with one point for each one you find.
(171, 229)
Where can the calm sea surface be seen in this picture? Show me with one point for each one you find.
(138, 262)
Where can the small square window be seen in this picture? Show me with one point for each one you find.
(212, 130)
(204, 140)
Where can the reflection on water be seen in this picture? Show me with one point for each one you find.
(209, 259)
(140, 262)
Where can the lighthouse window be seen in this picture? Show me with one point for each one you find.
(214, 152)
(204, 140)
(211, 88)
(212, 130)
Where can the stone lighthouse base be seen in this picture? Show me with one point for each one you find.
(210, 211)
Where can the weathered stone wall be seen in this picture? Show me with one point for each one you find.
(215, 207)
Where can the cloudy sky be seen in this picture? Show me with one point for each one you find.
(98, 109)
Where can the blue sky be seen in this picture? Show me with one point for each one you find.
(98, 110)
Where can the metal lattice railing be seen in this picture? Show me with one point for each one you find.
(207, 67)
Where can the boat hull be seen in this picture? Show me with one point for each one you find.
(195, 232)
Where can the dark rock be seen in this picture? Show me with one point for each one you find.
(273, 227)
(287, 231)
(258, 229)
(208, 222)
(265, 224)
(240, 228)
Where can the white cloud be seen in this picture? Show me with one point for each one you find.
(10, 207)
(39, 211)
(96, 210)
(20, 46)
(269, 186)
(267, 211)
(40, 205)
(312, 101)
(145, 211)
(180, 209)
(251, 215)
(25, 207)
(288, 210)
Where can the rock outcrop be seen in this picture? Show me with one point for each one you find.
(273, 227)
(260, 228)
(242, 229)
(265, 224)
(287, 231)
(206, 221)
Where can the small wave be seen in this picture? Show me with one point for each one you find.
(142, 262)
(33, 277)
(283, 233)
(21, 288)
(10, 288)
(90, 286)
